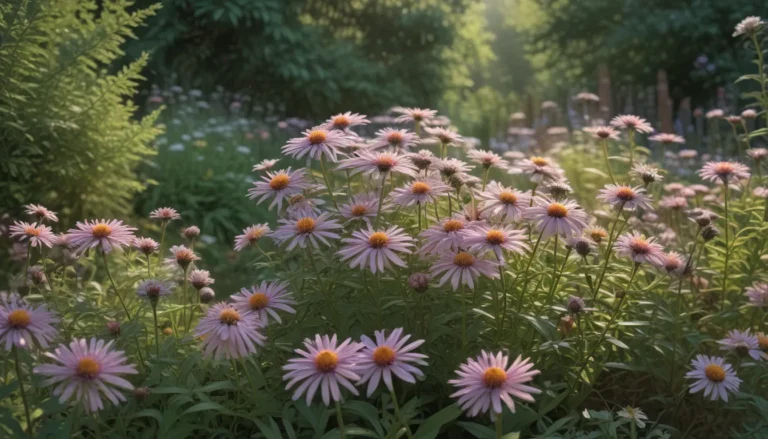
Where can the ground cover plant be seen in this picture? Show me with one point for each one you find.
(410, 284)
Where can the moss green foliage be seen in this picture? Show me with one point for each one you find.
(67, 133)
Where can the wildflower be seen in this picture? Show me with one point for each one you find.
(165, 214)
(324, 361)
(564, 218)
(381, 162)
(540, 169)
(191, 232)
(419, 282)
(625, 197)
(423, 159)
(757, 154)
(699, 189)
(387, 356)
(714, 114)
(316, 144)
(153, 289)
(229, 333)
(141, 393)
(206, 295)
(107, 235)
(113, 326)
(674, 203)
(603, 132)
(361, 207)
(631, 122)
(513, 156)
(558, 190)
(146, 245)
(265, 300)
(666, 138)
(743, 343)
(281, 185)
(265, 165)
(727, 172)
(648, 174)
(581, 244)
(200, 279)
(635, 415)
(37, 235)
(36, 275)
(398, 140)
(709, 233)
(565, 325)
(490, 380)
(485, 238)
(463, 267)
(251, 236)
(86, 370)
(422, 190)
(639, 248)
(487, 158)
(450, 166)
(182, 256)
(310, 228)
(687, 153)
(597, 233)
(23, 325)
(713, 375)
(585, 97)
(445, 136)
(344, 121)
(702, 217)
(748, 26)
(448, 235)
(415, 115)
(41, 213)
(300, 205)
(733, 120)
(757, 294)
(575, 305)
(749, 114)
(375, 249)
(673, 263)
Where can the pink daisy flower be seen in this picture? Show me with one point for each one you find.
(86, 371)
(107, 235)
(165, 214)
(564, 218)
(37, 235)
(146, 245)
(748, 26)
(448, 235)
(317, 143)
(498, 201)
(414, 115)
(281, 185)
(422, 190)
(369, 162)
(23, 325)
(397, 140)
(301, 205)
(625, 197)
(714, 376)
(540, 169)
(749, 114)
(265, 300)
(265, 165)
(603, 132)
(586, 97)
(487, 158)
(715, 114)
(229, 333)
(251, 236)
(41, 213)
(450, 167)
(757, 154)
(631, 122)
(299, 231)
(324, 365)
(648, 174)
(743, 343)
(490, 380)
(673, 263)
(687, 153)
(726, 172)
(666, 138)
(182, 256)
(361, 207)
(674, 203)
(757, 294)
(200, 279)
(375, 249)
(463, 267)
(423, 160)
(639, 248)
(444, 136)
(344, 121)
(153, 289)
(190, 232)
(485, 238)
(387, 356)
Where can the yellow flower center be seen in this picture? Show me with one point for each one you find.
(229, 316)
(507, 197)
(19, 319)
(341, 122)
(640, 246)
(32, 231)
(494, 377)
(383, 356)
(723, 169)
(385, 163)
(101, 230)
(378, 240)
(317, 136)
(453, 226)
(540, 161)
(420, 188)
(463, 259)
(168, 331)
(714, 373)
(762, 341)
(305, 225)
(625, 193)
(359, 210)
(495, 237)
(88, 368)
(598, 235)
(255, 235)
(395, 138)
(279, 182)
(326, 361)
(258, 301)
(557, 210)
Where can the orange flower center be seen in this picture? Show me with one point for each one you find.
(723, 168)
(378, 240)
(383, 356)
(453, 226)
(597, 235)
(229, 316)
(185, 255)
(88, 368)
(762, 341)
(19, 319)
(305, 225)
(317, 136)
(279, 182)
(340, 122)
(507, 197)
(420, 188)
(255, 234)
(540, 161)
(495, 237)
(395, 138)
(359, 210)
(557, 210)
(258, 301)
(32, 231)
(101, 230)
(714, 373)
(494, 377)
(385, 163)
(326, 361)
(625, 193)
(640, 246)
(463, 259)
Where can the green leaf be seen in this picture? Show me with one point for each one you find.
(367, 412)
(204, 406)
(148, 413)
(477, 430)
(431, 427)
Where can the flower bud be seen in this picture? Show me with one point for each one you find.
(709, 233)
(114, 327)
(207, 295)
(575, 305)
(168, 331)
(191, 232)
(419, 282)
(141, 393)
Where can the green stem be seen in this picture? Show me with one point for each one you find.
(26, 267)
(761, 73)
(327, 183)
(340, 421)
(418, 204)
(631, 147)
(21, 390)
(114, 286)
(157, 333)
(184, 301)
(608, 251)
(463, 318)
(604, 144)
(503, 300)
(485, 176)
(399, 416)
(149, 268)
(164, 225)
(727, 252)
(519, 307)
(381, 200)
(499, 425)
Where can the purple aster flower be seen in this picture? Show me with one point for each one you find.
(299, 231)
(23, 325)
(153, 289)
(41, 213)
(344, 121)
(496, 239)
(631, 122)
(165, 214)
(490, 380)
(375, 249)
(757, 294)
(300, 205)
(265, 300)
(743, 343)
(749, 26)
(369, 162)
(450, 167)
(86, 371)
(540, 169)
(251, 236)
(107, 235)
(200, 279)
(444, 135)
(448, 235)
(265, 165)
(673, 263)
(317, 143)
(397, 140)
(498, 201)
(463, 267)
(648, 174)
(146, 245)
(625, 197)
(713, 375)
(387, 356)
(37, 235)
(726, 172)
(666, 138)
(281, 185)
(423, 160)
(182, 256)
(229, 333)
(414, 115)
(551, 217)
(640, 249)
(487, 158)
(324, 365)
(421, 190)
(602, 132)
(361, 207)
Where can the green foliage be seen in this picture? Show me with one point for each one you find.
(67, 134)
